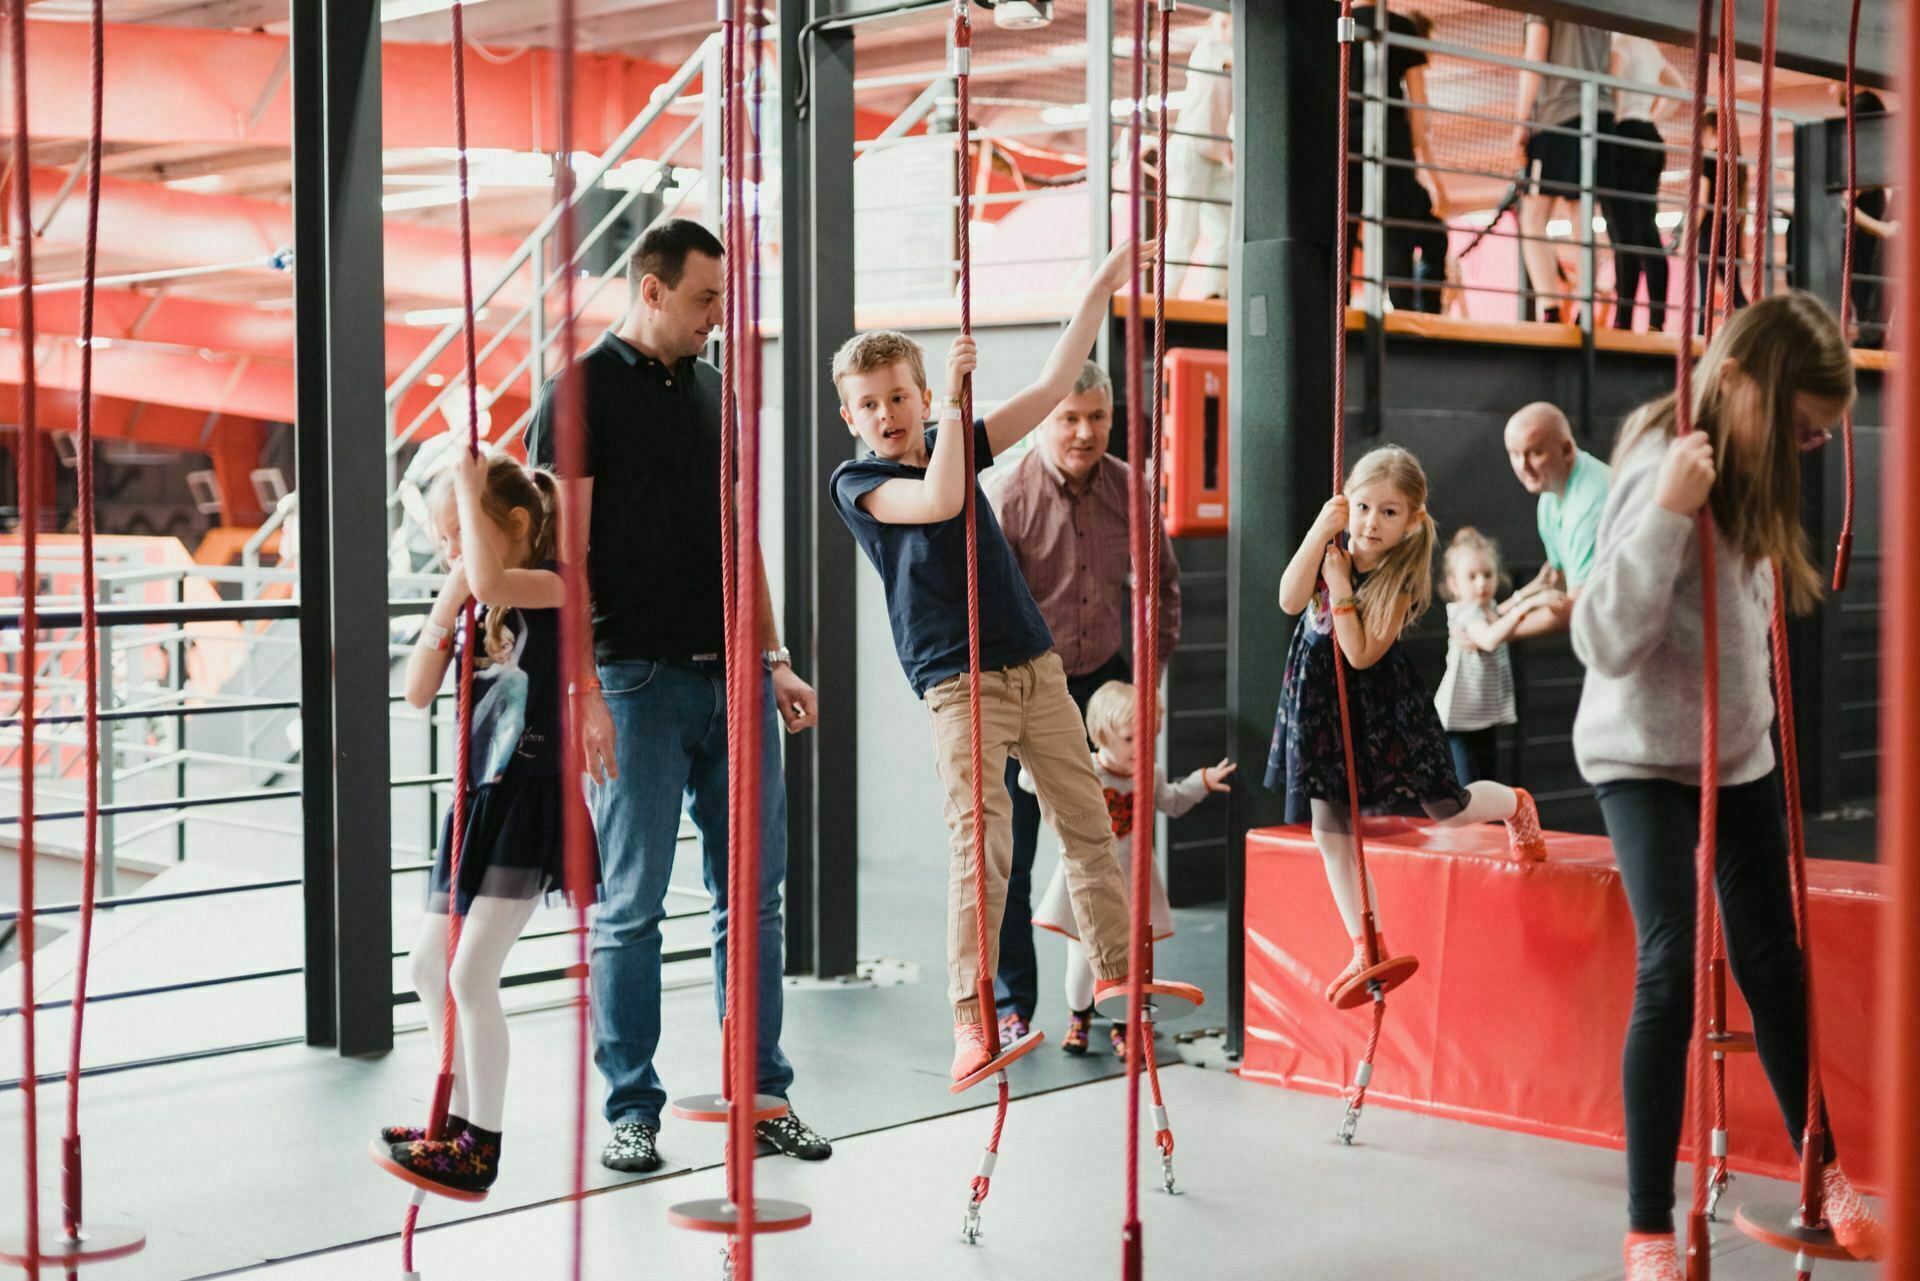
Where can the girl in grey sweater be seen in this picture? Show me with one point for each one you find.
(1770, 387)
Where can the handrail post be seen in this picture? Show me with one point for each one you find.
(1589, 167)
(537, 321)
(109, 861)
(1100, 149)
(712, 152)
(1373, 180)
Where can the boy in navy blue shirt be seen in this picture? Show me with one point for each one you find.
(905, 503)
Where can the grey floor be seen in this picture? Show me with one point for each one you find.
(1267, 1193)
(258, 1158)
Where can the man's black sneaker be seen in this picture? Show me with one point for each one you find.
(631, 1150)
(791, 1135)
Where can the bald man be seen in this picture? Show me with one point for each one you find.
(1571, 485)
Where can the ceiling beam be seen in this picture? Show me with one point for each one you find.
(188, 381)
(169, 85)
(168, 228)
(189, 323)
(1812, 37)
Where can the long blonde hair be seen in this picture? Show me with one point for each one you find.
(1784, 345)
(1407, 568)
(512, 486)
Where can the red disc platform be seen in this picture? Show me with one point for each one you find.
(97, 1243)
(713, 1108)
(717, 1214)
(1520, 1011)
(1008, 1053)
(1385, 976)
(1167, 1001)
(1777, 1223)
(383, 1157)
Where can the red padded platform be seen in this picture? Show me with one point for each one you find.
(1519, 1012)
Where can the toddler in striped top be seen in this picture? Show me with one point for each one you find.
(1476, 694)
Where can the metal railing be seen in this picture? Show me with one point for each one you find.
(1385, 238)
(145, 721)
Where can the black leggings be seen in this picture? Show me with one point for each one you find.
(1637, 252)
(1654, 826)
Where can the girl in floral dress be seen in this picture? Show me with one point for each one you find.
(1363, 574)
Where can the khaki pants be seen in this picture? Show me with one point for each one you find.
(1025, 708)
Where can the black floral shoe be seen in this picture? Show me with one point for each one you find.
(631, 1150)
(469, 1163)
(456, 1125)
(790, 1135)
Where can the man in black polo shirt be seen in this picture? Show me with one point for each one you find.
(653, 723)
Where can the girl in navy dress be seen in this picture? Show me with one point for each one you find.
(498, 523)
(1361, 577)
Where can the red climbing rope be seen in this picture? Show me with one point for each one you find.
(1147, 605)
(1146, 679)
(450, 1013)
(72, 1183)
(1843, 551)
(29, 462)
(1369, 934)
(1699, 1248)
(743, 935)
(962, 39)
(1813, 1142)
(575, 630)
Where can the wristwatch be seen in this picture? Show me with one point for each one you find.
(772, 658)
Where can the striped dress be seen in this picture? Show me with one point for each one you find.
(1477, 691)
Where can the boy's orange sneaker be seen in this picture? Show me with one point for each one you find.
(969, 1049)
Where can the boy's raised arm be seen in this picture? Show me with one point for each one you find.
(1021, 413)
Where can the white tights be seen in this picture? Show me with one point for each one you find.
(489, 932)
(1079, 978)
(1487, 802)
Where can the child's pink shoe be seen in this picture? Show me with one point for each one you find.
(1525, 841)
(1358, 963)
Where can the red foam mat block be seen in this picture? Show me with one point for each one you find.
(1519, 1012)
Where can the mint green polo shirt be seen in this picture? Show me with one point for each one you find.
(1570, 522)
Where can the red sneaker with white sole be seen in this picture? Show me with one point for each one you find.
(1851, 1218)
(1653, 1258)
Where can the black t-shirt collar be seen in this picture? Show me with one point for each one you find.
(638, 359)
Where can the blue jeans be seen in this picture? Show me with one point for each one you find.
(670, 741)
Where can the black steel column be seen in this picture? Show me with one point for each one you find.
(340, 371)
(816, 315)
(1280, 333)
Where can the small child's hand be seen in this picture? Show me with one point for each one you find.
(1687, 475)
(1332, 518)
(1216, 776)
(1337, 568)
(469, 470)
(962, 359)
